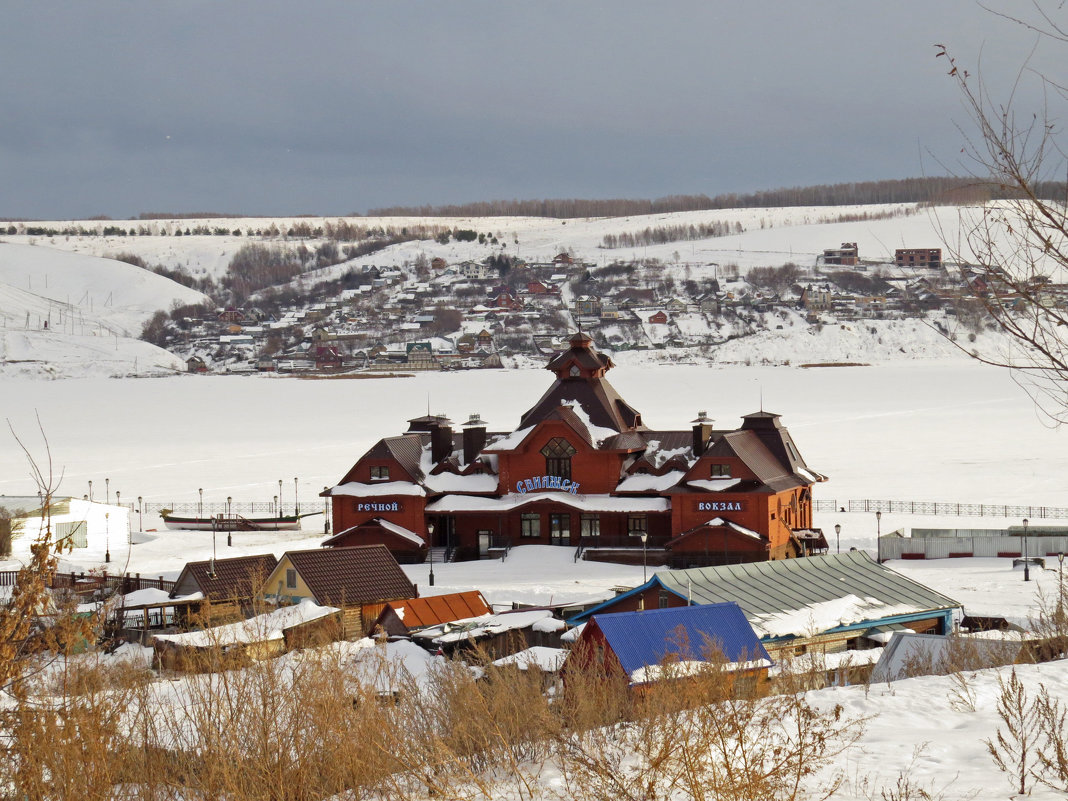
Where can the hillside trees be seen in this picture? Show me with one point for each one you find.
(1012, 248)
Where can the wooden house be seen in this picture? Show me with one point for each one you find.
(657, 644)
(195, 364)
(658, 317)
(357, 580)
(229, 587)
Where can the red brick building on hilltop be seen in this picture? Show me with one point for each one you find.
(583, 470)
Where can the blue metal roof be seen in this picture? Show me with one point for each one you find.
(687, 633)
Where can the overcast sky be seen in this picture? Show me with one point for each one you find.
(264, 107)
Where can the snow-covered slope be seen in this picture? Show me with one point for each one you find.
(71, 315)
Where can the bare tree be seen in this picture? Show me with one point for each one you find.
(1013, 248)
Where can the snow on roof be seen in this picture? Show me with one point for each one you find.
(261, 628)
(695, 667)
(483, 626)
(511, 441)
(719, 521)
(358, 490)
(549, 625)
(546, 659)
(401, 531)
(587, 503)
(597, 433)
(153, 597)
(572, 634)
(806, 474)
(451, 482)
(816, 660)
(714, 484)
(823, 616)
(647, 482)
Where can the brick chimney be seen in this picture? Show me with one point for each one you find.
(440, 439)
(474, 438)
(702, 430)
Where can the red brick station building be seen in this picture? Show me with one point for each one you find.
(582, 470)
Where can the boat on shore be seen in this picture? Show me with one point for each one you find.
(233, 522)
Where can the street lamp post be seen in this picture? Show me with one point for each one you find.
(277, 512)
(645, 560)
(879, 537)
(837, 538)
(229, 521)
(90, 490)
(107, 538)
(296, 499)
(200, 505)
(1027, 570)
(107, 490)
(140, 518)
(430, 542)
(279, 497)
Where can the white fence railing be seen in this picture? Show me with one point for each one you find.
(948, 547)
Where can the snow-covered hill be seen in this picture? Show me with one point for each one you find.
(80, 292)
(65, 314)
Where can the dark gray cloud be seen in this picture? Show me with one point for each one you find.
(334, 107)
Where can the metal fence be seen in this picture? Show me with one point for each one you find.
(244, 509)
(946, 508)
(949, 547)
(122, 583)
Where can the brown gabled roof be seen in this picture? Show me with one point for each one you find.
(405, 449)
(748, 446)
(238, 578)
(354, 575)
(419, 613)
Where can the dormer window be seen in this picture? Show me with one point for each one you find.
(558, 452)
(380, 473)
(719, 471)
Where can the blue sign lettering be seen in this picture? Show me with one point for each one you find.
(525, 485)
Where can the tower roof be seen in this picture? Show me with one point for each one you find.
(580, 381)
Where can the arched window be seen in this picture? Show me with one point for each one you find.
(558, 452)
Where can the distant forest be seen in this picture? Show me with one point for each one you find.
(905, 190)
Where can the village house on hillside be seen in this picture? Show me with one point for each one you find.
(583, 469)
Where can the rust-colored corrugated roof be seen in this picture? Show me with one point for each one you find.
(238, 578)
(355, 575)
(417, 613)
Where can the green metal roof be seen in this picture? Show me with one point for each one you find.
(769, 588)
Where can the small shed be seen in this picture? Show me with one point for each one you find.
(909, 654)
(497, 635)
(650, 645)
(399, 618)
(359, 580)
(260, 637)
